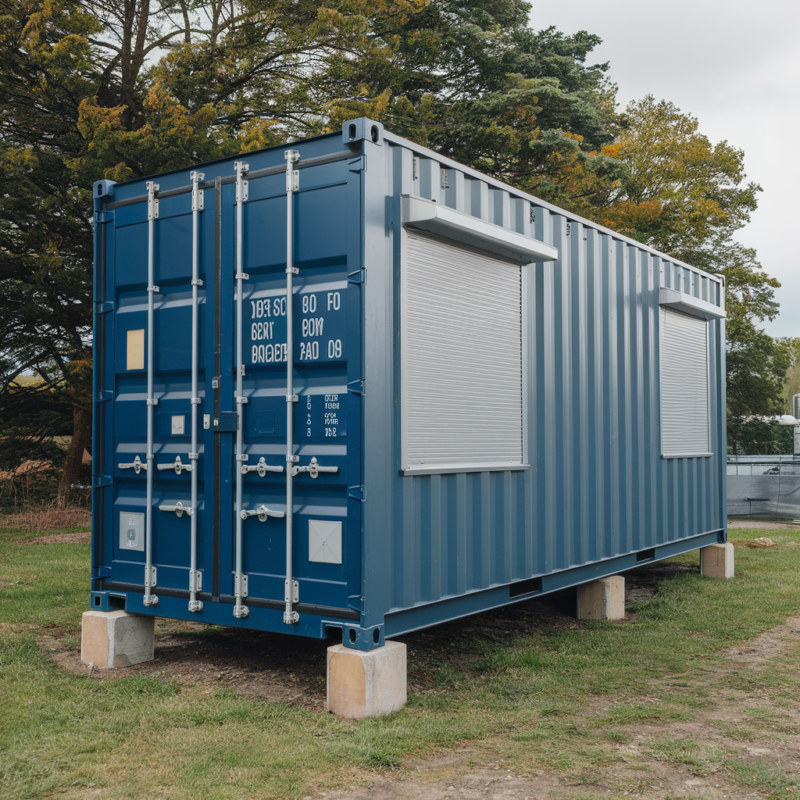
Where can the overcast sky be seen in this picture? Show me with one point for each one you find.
(736, 67)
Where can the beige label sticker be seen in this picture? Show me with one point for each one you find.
(136, 349)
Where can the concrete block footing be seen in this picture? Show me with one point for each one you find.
(716, 561)
(116, 639)
(369, 683)
(602, 599)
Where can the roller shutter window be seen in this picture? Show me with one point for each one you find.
(685, 427)
(462, 358)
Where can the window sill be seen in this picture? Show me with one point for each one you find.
(443, 469)
(687, 455)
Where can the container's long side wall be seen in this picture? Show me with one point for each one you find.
(597, 486)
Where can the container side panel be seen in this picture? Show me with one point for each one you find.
(597, 487)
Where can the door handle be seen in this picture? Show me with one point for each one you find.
(262, 512)
(136, 465)
(313, 468)
(262, 468)
(177, 465)
(178, 508)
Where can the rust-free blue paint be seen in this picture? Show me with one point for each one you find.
(594, 498)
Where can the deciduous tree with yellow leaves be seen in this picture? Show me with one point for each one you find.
(684, 195)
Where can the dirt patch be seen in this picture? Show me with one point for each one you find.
(636, 776)
(83, 537)
(637, 595)
(768, 645)
(761, 543)
(447, 777)
(253, 663)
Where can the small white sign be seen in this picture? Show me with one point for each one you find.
(325, 541)
(178, 423)
(131, 529)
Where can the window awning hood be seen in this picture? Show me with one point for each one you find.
(437, 218)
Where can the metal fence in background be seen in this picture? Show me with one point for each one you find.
(764, 485)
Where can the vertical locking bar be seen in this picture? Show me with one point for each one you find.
(290, 616)
(152, 214)
(197, 207)
(240, 611)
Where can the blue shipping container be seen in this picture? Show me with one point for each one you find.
(355, 386)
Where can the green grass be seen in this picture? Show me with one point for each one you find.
(69, 734)
(43, 585)
(767, 777)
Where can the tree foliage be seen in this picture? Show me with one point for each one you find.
(474, 82)
(757, 436)
(95, 89)
(678, 192)
(687, 197)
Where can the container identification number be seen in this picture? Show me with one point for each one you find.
(319, 326)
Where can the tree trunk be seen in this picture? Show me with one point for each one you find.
(81, 439)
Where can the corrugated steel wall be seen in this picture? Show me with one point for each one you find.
(597, 486)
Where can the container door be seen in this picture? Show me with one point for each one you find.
(213, 416)
(157, 311)
(324, 390)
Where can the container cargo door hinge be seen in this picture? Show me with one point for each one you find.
(357, 493)
(358, 277)
(103, 216)
(99, 481)
(150, 577)
(357, 164)
(356, 602)
(102, 572)
(356, 387)
(103, 307)
(102, 395)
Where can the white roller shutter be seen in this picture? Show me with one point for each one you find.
(462, 358)
(684, 385)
